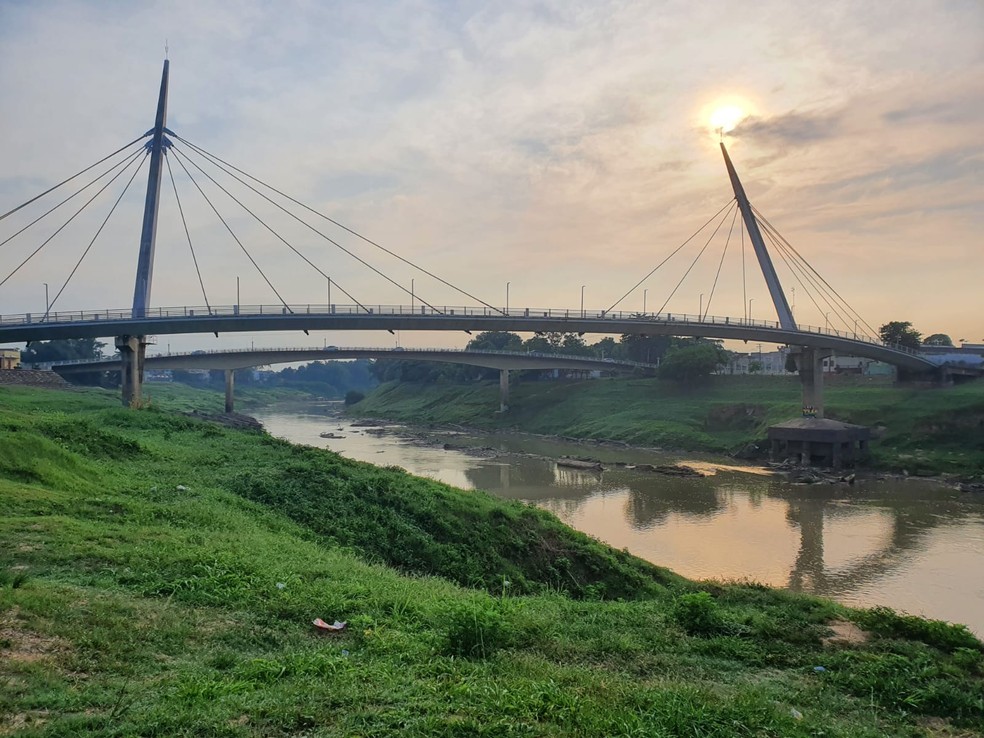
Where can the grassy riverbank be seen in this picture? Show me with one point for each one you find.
(920, 430)
(158, 576)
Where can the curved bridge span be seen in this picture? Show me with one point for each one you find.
(245, 358)
(230, 360)
(259, 318)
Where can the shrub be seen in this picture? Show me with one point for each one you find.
(478, 629)
(698, 614)
(354, 396)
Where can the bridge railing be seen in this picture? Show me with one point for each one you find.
(327, 351)
(417, 310)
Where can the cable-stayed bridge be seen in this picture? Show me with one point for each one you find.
(845, 332)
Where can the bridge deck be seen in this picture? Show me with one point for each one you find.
(243, 318)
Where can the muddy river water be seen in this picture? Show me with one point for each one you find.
(911, 544)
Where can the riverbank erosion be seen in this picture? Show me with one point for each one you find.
(159, 574)
(917, 430)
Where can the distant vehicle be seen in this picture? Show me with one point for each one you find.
(330, 348)
(399, 348)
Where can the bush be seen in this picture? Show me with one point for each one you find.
(478, 630)
(354, 396)
(944, 636)
(698, 614)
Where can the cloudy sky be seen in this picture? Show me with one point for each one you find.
(549, 145)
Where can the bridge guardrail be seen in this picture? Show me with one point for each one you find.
(341, 349)
(95, 316)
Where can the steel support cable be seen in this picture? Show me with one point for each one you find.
(744, 288)
(854, 313)
(65, 224)
(700, 253)
(187, 232)
(672, 254)
(782, 247)
(89, 247)
(791, 262)
(78, 174)
(125, 160)
(235, 238)
(278, 236)
(287, 243)
(724, 253)
(796, 269)
(795, 266)
(796, 276)
(213, 158)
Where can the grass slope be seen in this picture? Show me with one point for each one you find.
(158, 576)
(921, 430)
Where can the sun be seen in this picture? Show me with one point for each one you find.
(726, 117)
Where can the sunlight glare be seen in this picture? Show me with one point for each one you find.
(726, 117)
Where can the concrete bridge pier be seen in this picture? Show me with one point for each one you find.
(503, 390)
(809, 363)
(230, 384)
(132, 350)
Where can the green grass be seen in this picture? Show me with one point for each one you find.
(158, 576)
(920, 430)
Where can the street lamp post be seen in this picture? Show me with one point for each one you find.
(507, 297)
(855, 330)
(237, 294)
(47, 302)
(700, 313)
(750, 308)
(826, 322)
(644, 293)
(582, 300)
(411, 294)
(329, 294)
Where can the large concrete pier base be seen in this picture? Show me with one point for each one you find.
(230, 386)
(809, 363)
(132, 350)
(503, 390)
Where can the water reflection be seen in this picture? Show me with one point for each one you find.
(909, 544)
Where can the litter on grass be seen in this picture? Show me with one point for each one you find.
(330, 627)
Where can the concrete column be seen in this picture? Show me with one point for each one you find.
(132, 350)
(503, 390)
(230, 384)
(809, 362)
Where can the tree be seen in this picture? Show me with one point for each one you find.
(496, 341)
(691, 364)
(649, 349)
(900, 333)
(938, 339)
(607, 348)
(62, 350)
(69, 349)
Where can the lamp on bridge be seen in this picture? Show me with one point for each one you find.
(750, 308)
(47, 303)
(582, 300)
(507, 297)
(644, 293)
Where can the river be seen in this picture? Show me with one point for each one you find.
(911, 544)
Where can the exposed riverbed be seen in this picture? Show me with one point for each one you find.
(911, 544)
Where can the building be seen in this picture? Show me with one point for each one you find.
(10, 358)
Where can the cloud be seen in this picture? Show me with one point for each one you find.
(546, 144)
(790, 128)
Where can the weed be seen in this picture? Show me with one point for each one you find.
(698, 614)
(477, 629)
